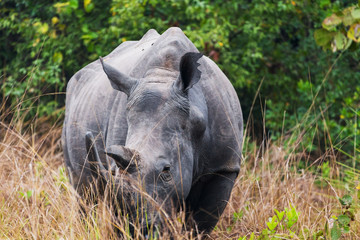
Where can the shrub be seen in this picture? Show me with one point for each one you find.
(44, 44)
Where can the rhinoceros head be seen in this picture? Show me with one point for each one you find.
(163, 131)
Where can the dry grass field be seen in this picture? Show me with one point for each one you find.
(272, 197)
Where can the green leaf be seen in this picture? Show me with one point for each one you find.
(238, 215)
(343, 220)
(324, 3)
(280, 215)
(354, 32)
(346, 229)
(252, 236)
(74, 4)
(85, 28)
(61, 5)
(340, 41)
(21, 194)
(272, 223)
(323, 37)
(348, 18)
(29, 194)
(348, 44)
(325, 168)
(57, 57)
(264, 234)
(90, 35)
(346, 200)
(335, 232)
(330, 22)
(89, 7)
(350, 214)
(86, 3)
(292, 216)
(355, 13)
(41, 28)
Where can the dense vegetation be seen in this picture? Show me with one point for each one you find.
(43, 43)
(295, 67)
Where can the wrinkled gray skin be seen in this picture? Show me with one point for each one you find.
(162, 114)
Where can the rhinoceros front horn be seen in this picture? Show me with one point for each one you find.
(96, 165)
(124, 157)
(118, 80)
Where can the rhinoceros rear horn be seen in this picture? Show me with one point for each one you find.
(124, 157)
(118, 80)
(189, 72)
(96, 165)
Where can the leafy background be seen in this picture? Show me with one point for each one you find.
(265, 45)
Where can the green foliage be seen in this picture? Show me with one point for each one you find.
(26, 194)
(341, 30)
(279, 226)
(42, 45)
(238, 215)
(61, 178)
(346, 201)
(341, 223)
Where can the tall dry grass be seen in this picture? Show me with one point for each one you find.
(37, 201)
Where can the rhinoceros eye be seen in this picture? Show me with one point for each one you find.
(165, 175)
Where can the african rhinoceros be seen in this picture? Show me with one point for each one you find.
(158, 112)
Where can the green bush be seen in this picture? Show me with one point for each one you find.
(44, 44)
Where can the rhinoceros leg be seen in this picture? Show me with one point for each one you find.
(214, 195)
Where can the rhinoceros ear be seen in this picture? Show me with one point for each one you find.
(189, 72)
(118, 80)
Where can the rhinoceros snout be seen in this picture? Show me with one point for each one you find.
(124, 158)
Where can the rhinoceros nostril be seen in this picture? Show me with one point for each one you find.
(166, 168)
(165, 175)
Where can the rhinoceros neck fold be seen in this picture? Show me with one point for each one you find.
(161, 74)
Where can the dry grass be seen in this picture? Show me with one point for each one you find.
(37, 201)
(273, 183)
